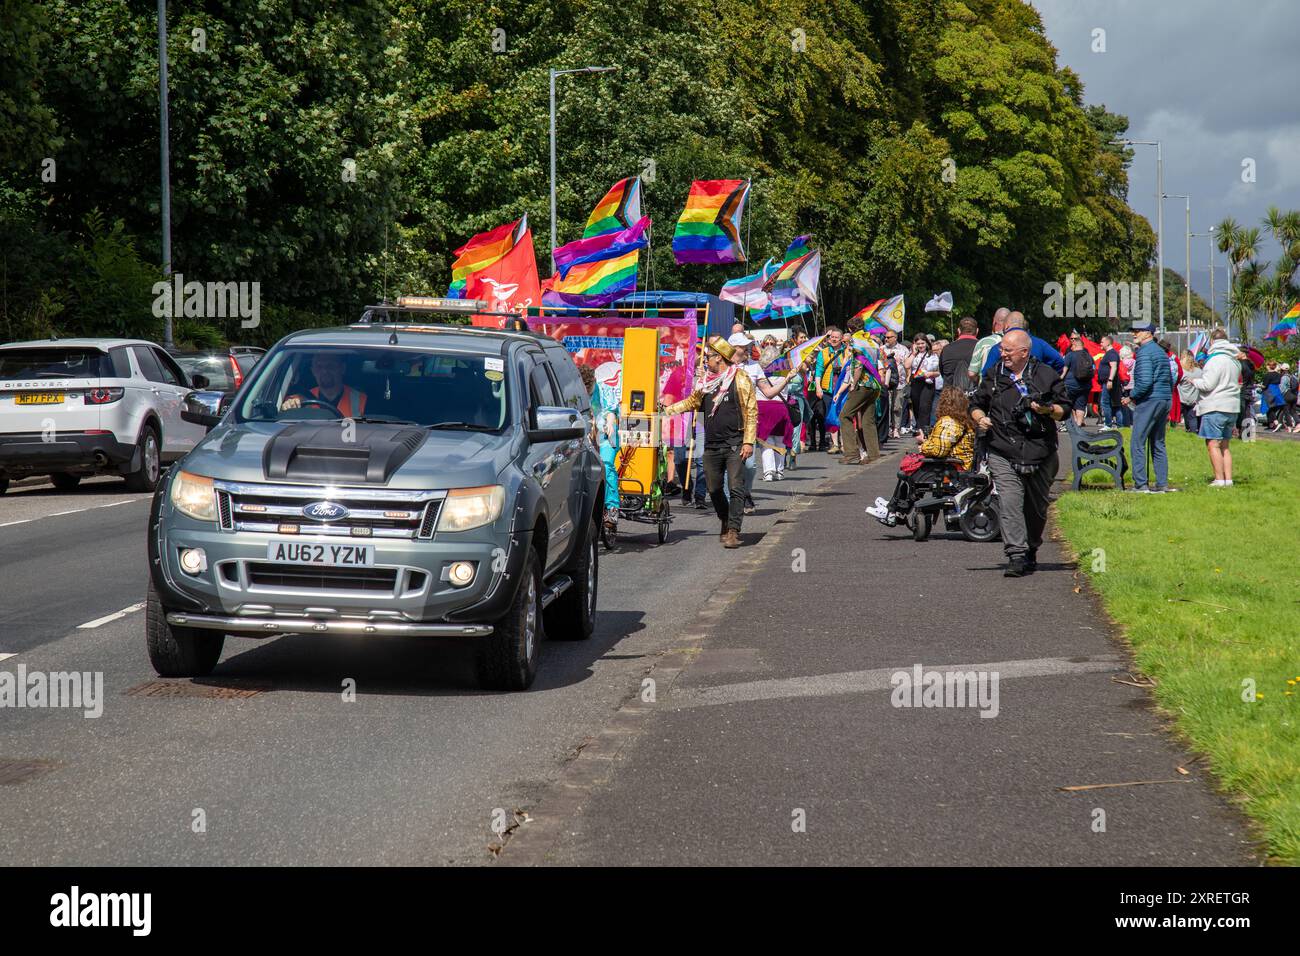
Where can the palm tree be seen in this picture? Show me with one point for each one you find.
(1273, 296)
(1240, 307)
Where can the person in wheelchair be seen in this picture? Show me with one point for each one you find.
(952, 438)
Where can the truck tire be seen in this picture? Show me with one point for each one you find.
(178, 651)
(65, 482)
(507, 658)
(4, 485)
(146, 479)
(573, 615)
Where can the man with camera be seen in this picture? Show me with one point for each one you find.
(1016, 408)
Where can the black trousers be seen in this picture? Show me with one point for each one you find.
(725, 460)
(922, 399)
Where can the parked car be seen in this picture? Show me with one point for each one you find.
(76, 407)
(223, 370)
(397, 480)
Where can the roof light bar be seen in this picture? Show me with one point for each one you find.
(431, 303)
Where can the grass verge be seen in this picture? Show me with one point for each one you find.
(1204, 585)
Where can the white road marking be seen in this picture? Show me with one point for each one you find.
(5, 657)
(56, 514)
(116, 615)
(855, 682)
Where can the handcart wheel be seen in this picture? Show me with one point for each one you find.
(664, 520)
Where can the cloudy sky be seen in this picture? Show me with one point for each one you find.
(1217, 82)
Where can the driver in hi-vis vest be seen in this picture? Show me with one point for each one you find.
(327, 369)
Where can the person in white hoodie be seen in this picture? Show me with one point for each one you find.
(1218, 383)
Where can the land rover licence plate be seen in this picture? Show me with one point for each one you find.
(322, 554)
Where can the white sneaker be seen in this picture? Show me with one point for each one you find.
(881, 503)
(1218, 483)
(881, 514)
(1227, 482)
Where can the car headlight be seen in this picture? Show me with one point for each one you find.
(467, 508)
(193, 495)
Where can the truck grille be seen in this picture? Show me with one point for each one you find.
(323, 579)
(369, 513)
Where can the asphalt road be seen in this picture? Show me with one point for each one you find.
(280, 769)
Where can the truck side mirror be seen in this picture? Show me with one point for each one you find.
(555, 423)
(197, 412)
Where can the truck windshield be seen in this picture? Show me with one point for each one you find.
(383, 384)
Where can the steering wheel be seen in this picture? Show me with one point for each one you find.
(322, 402)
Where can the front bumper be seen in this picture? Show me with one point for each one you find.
(295, 625)
(28, 453)
(231, 595)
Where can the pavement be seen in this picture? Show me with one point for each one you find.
(771, 737)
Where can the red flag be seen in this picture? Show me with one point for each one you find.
(510, 284)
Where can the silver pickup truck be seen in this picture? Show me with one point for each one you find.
(385, 480)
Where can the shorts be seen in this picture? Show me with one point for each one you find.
(1217, 425)
(1079, 398)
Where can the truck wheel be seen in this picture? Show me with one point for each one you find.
(507, 659)
(65, 482)
(146, 479)
(178, 651)
(573, 615)
(4, 485)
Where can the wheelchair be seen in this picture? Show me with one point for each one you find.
(942, 490)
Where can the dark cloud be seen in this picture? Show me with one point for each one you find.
(1216, 82)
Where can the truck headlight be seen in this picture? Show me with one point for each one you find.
(193, 495)
(467, 508)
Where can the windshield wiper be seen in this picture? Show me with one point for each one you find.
(385, 420)
(467, 426)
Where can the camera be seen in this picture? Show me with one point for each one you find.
(1041, 399)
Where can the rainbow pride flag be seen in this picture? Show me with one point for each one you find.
(605, 246)
(619, 210)
(1292, 313)
(798, 248)
(1283, 330)
(593, 284)
(482, 251)
(866, 312)
(709, 228)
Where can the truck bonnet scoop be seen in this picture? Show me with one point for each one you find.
(317, 451)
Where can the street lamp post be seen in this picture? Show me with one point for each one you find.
(165, 200)
(1160, 218)
(1214, 314)
(554, 74)
(1187, 279)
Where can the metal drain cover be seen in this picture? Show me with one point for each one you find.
(15, 771)
(228, 689)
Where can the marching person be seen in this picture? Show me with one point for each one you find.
(1016, 406)
(726, 402)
